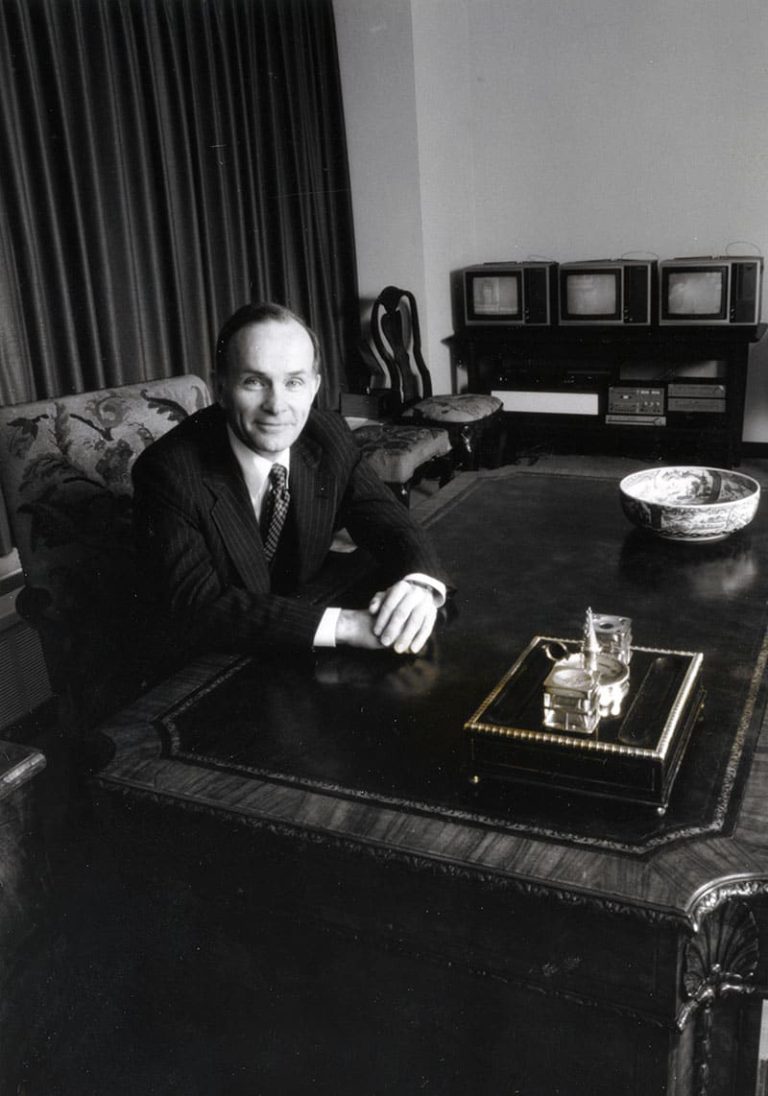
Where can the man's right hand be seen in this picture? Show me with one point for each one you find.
(354, 628)
(403, 616)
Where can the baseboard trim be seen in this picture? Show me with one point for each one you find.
(757, 449)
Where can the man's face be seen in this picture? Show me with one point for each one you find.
(269, 384)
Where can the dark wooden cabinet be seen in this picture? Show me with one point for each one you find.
(660, 393)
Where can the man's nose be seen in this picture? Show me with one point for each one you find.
(274, 398)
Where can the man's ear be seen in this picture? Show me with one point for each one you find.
(318, 382)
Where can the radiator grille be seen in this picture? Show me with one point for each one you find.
(24, 681)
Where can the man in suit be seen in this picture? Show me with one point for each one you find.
(233, 542)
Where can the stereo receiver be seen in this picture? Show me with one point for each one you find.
(704, 398)
(635, 405)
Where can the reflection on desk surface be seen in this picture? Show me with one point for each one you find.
(526, 552)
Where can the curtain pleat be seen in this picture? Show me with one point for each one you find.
(166, 161)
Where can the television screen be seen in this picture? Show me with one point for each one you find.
(696, 292)
(496, 295)
(592, 294)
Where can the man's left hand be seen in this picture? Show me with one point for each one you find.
(405, 616)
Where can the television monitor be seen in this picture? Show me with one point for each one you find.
(724, 290)
(612, 291)
(509, 293)
(592, 294)
(697, 293)
(497, 295)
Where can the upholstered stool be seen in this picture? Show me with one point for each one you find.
(473, 423)
(400, 454)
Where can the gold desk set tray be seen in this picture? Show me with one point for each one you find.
(632, 755)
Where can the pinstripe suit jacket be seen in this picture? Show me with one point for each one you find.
(199, 539)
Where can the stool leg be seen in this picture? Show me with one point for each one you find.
(402, 491)
(467, 449)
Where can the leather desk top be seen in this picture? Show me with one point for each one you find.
(367, 749)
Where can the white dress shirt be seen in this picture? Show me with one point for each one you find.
(256, 470)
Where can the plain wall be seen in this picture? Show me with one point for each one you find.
(483, 130)
(375, 43)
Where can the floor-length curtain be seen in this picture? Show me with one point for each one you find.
(164, 161)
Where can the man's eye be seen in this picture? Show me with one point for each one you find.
(294, 382)
(252, 382)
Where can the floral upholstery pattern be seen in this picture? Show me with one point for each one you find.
(473, 423)
(449, 409)
(65, 467)
(395, 452)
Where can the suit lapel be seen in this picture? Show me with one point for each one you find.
(312, 506)
(233, 516)
(232, 513)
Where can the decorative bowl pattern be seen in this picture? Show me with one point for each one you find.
(685, 502)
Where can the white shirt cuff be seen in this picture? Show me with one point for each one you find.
(325, 636)
(434, 584)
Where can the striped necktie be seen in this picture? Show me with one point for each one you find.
(278, 499)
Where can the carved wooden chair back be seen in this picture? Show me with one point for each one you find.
(396, 337)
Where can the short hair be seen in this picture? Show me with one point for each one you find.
(252, 315)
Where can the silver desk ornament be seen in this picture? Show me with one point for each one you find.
(614, 634)
(589, 684)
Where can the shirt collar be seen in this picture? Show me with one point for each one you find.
(255, 467)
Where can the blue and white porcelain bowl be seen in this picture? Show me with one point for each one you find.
(689, 503)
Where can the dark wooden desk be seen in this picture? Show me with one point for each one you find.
(606, 950)
(24, 885)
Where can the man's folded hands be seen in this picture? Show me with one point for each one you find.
(400, 618)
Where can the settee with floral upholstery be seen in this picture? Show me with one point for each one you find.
(65, 466)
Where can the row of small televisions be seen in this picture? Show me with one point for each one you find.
(724, 290)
